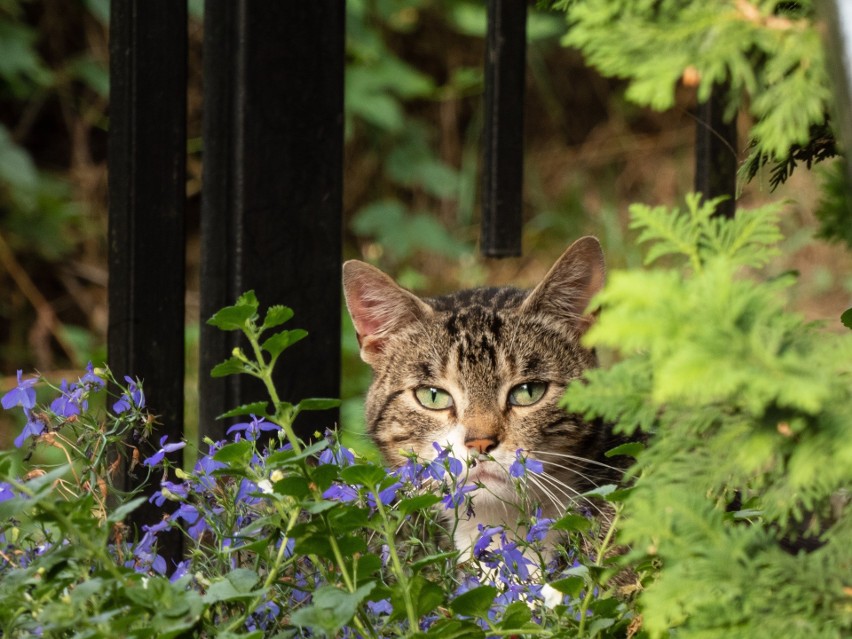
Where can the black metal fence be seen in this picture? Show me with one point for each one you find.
(272, 184)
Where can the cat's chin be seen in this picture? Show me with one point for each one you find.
(490, 475)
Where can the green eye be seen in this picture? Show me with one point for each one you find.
(527, 394)
(433, 398)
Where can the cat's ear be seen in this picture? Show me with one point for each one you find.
(378, 306)
(571, 283)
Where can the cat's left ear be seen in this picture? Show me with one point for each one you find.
(571, 283)
(379, 307)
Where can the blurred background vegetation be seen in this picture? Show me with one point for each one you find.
(414, 86)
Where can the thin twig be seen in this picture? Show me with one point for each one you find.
(44, 311)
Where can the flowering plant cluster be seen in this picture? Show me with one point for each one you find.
(283, 538)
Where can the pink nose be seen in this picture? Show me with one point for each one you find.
(482, 445)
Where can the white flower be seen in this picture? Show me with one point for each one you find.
(552, 597)
(265, 486)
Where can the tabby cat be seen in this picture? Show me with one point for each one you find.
(483, 370)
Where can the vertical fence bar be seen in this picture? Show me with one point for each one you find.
(272, 193)
(716, 152)
(836, 19)
(503, 166)
(147, 182)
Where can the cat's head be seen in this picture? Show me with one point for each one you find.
(483, 370)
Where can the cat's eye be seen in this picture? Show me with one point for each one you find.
(527, 394)
(433, 398)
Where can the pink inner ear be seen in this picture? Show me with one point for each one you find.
(366, 314)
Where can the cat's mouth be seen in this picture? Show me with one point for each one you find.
(486, 471)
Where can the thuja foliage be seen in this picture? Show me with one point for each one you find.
(740, 497)
(284, 538)
(768, 55)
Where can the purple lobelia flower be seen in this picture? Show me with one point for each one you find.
(157, 457)
(70, 402)
(386, 496)
(22, 395)
(455, 498)
(444, 462)
(251, 430)
(91, 379)
(132, 397)
(33, 428)
(522, 465)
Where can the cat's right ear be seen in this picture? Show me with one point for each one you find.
(378, 306)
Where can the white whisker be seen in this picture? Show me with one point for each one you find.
(538, 483)
(585, 460)
(563, 487)
(592, 479)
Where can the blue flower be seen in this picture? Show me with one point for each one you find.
(540, 527)
(253, 428)
(34, 427)
(22, 395)
(195, 520)
(341, 492)
(70, 402)
(91, 379)
(411, 471)
(485, 535)
(340, 457)
(180, 570)
(380, 607)
(6, 491)
(455, 498)
(133, 396)
(157, 457)
(444, 462)
(514, 560)
(386, 496)
(522, 465)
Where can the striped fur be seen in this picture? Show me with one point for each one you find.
(477, 345)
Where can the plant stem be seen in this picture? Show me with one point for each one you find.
(396, 563)
(587, 599)
(264, 373)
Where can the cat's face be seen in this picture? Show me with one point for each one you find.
(483, 371)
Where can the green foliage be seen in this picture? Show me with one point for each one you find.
(767, 51)
(768, 54)
(746, 407)
(834, 207)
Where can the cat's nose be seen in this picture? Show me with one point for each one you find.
(482, 445)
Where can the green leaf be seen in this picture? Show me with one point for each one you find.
(236, 454)
(237, 584)
(331, 608)
(846, 318)
(318, 403)
(618, 495)
(276, 315)
(425, 595)
(418, 503)
(233, 318)
(125, 509)
(437, 558)
(572, 522)
(515, 616)
(571, 586)
(455, 629)
(277, 343)
(257, 409)
(293, 486)
(364, 474)
(231, 366)
(631, 449)
(476, 602)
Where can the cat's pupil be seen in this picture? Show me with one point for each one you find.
(433, 398)
(527, 394)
